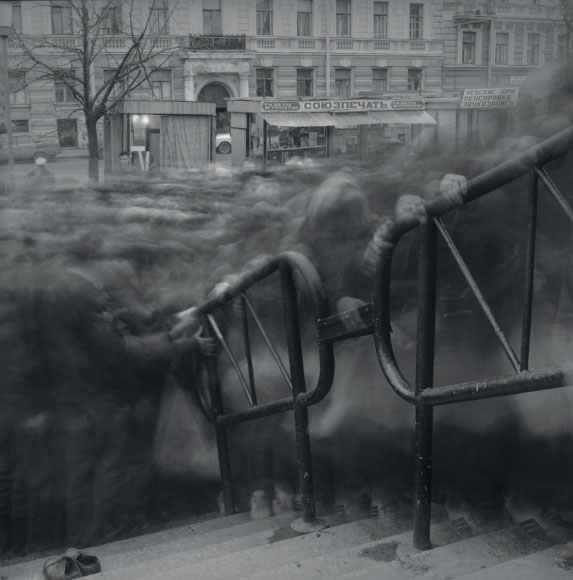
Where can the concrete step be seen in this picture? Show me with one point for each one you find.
(490, 555)
(555, 563)
(237, 548)
(308, 554)
(203, 538)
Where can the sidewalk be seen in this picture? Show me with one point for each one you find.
(71, 153)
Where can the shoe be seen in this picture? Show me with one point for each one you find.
(61, 568)
(86, 563)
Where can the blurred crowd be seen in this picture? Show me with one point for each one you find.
(94, 281)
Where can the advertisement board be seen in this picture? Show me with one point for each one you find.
(499, 98)
(340, 105)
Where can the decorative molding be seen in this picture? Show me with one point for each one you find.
(381, 62)
(417, 62)
(267, 62)
(306, 61)
(345, 62)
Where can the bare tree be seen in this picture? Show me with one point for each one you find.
(127, 38)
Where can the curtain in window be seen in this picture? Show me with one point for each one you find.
(184, 141)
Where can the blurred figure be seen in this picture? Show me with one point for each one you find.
(40, 177)
(95, 363)
(359, 420)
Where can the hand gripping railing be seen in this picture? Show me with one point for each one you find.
(287, 264)
(422, 394)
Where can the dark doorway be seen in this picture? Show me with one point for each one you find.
(218, 94)
(68, 132)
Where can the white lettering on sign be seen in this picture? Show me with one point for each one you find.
(358, 105)
(489, 98)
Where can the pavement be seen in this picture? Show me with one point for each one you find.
(70, 168)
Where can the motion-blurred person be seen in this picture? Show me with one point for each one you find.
(93, 359)
(40, 177)
(28, 512)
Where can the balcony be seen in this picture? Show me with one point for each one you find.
(281, 44)
(486, 9)
(109, 44)
(475, 10)
(211, 42)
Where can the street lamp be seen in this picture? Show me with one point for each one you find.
(5, 32)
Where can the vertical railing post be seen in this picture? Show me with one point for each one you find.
(247, 343)
(529, 270)
(220, 433)
(303, 452)
(424, 380)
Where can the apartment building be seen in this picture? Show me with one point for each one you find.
(245, 48)
(300, 49)
(507, 43)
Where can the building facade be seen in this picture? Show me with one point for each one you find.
(298, 49)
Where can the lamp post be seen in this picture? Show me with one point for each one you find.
(5, 32)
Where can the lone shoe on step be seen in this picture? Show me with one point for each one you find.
(61, 568)
(87, 563)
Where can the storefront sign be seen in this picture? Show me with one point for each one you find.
(340, 105)
(489, 98)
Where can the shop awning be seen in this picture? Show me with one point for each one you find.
(299, 119)
(403, 117)
(351, 119)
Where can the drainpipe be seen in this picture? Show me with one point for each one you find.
(491, 53)
(327, 48)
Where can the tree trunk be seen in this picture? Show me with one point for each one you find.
(93, 148)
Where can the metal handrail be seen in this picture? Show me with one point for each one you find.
(423, 394)
(492, 179)
(288, 264)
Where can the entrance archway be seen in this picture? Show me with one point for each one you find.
(218, 94)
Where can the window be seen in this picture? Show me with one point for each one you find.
(17, 83)
(20, 126)
(342, 79)
(17, 17)
(502, 48)
(161, 84)
(343, 19)
(380, 19)
(158, 12)
(416, 21)
(113, 19)
(304, 18)
(561, 52)
(415, 76)
(64, 93)
(212, 17)
(264, 18)
(533, 49)
(61, 18)
(468, 47)
(118, 87)
(379, 80)
(264, 79)
(304, 82)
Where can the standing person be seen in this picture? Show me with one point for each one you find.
(94, 364)
(40, 177)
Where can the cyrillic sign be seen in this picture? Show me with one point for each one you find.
(489, 98)
(358, 105)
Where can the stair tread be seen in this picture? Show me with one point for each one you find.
(469, 554)
(484, 557)
(202, 538)
(554, 563)
(265, 556)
